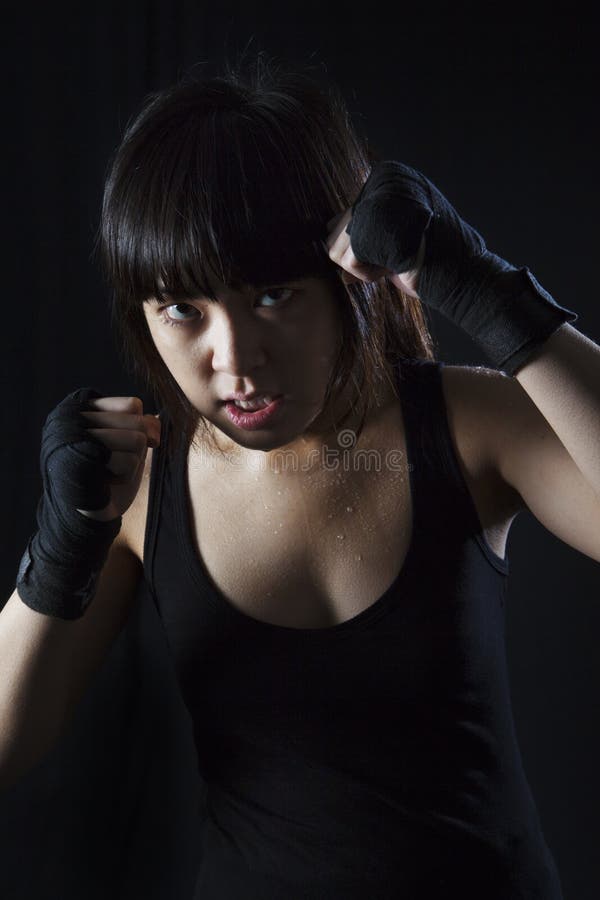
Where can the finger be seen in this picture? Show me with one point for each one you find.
(118, 404)
(366, 277)
(347, 278)
(121, 439)
(148, 424)
(338, 232)
(331, 225)
(363, 271)
(340, 246)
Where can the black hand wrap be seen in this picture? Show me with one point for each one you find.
(59, 570)
(501, 307)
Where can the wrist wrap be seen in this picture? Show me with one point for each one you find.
(60, 568)
(504, 309)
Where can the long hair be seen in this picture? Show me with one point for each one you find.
(236, 175)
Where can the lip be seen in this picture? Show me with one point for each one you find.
(251, 396)
(250, 421)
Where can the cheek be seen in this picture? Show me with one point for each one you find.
(326, 341)
(317, 333)
(167, 353)
(309, 352)
(167, 340)
(171, 350)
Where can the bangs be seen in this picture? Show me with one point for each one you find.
(230, 181)
(229, 193)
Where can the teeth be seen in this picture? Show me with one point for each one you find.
(255, 403)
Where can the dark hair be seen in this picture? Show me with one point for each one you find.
(236, 175)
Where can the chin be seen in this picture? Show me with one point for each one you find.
(280, 436)
(229, 437)
(264, 442)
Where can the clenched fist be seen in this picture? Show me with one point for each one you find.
(120, 424)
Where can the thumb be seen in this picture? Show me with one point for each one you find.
(152, 427)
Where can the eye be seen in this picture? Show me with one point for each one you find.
(176, 314)
(276, 294)
(168, 319)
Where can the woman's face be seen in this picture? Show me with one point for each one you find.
(282, 339)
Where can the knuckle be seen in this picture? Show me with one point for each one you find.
(135, 405)
(350, 259)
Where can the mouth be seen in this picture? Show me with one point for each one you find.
(255, 413)
(252, 402)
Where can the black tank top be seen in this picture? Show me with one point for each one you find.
(376, 758)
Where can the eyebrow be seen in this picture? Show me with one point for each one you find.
(174, 297)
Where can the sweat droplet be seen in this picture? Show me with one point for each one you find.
(340, 537)
(359, 557)
(349, 509)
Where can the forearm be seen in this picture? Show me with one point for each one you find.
(563, 380)
(34, 686)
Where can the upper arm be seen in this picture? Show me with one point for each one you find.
(97, 629)
(117, 589)
(527, 453)
(120, 578)
(48, 662)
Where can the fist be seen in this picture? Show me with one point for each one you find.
(120, 424)
(341, 252)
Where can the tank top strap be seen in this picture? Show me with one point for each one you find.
(158, 472)
(442, 497)
(417, 388)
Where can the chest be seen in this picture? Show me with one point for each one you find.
(305, 550)
(310, 549)
(313, 548)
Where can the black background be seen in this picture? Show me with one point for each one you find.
(497, 105)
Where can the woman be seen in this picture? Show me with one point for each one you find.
(323, 514)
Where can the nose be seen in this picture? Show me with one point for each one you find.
(237, 344)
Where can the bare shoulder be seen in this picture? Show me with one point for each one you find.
(511, 431)
(477, 399)
(471, 394)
